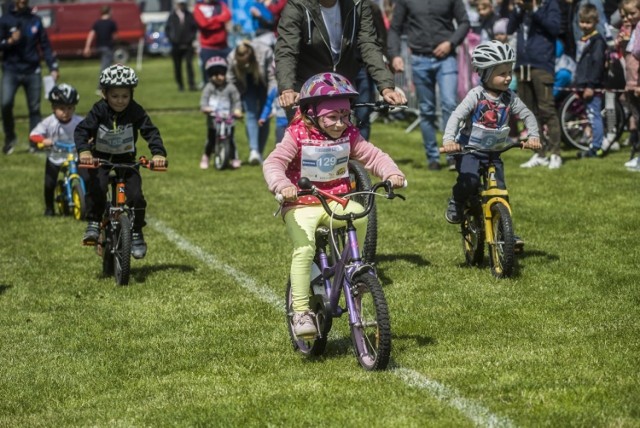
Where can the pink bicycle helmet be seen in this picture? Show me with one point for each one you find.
(326, 85)
(214, 64)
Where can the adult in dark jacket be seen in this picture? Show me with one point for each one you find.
(181, 29)
(432, 38)
(538, 26)
(22, 38)
(306, 47)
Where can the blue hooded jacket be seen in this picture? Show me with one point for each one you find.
(537, 33)
(24, 57)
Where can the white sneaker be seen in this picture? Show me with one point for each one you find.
(304, 324)
(255, 158)
(614, 147)
(536, 160)
(555, 162)
(204, 162)
(633, 163)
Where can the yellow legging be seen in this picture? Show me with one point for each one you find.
(301, 225)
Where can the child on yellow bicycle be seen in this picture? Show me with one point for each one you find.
(318, 145)
(110, 131)
(58, 126)
(484, 113)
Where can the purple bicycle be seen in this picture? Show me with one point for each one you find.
(339, 269)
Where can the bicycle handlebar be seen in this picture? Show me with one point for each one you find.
(307, 188)
(381, 106)
(471, 149)
(142, 161)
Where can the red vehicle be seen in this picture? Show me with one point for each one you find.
(69, 24)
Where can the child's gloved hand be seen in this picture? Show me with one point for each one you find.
(159, 161)
(85, 158)
(451, 147)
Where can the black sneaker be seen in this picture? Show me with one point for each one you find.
(451, 162)
(453, 214)
(434, 166)
(138, 246)
(48, 212)
(9, 146)
(91, 234)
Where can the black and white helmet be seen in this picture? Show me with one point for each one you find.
(118, 76)
(64, 94)
(489, 54)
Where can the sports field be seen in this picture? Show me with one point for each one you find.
(198, 338)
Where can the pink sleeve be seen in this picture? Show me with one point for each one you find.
(374, 159)
(635, 49)
(277, 162)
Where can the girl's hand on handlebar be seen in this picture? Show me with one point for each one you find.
(397, 181)
(450, 147)
(289, 193)
(532, 143)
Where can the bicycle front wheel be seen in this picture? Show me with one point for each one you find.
(122, 250)
(360, 181)
(223, 153)
(573, 121)
(472, 229)
(60, 198)
(371, 334)
(502, 253)
(77, 196)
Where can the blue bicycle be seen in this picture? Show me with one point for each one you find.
(70, 188)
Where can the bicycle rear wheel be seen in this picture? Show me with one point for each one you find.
(502, 252)
(105, 249)
(472, 230)
(122, 250)
(222, 156)
(309, 346)
(371, 335)
(77, 196)
(360, 181)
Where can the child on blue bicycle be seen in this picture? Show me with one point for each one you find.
(318, 145)
(110, 131)
(485, 113)
(58, 126)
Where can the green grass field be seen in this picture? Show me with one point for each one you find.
(198, 338)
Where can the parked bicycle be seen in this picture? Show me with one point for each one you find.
(575, 125)
(114, 243)
(224, 149)
(70, 188)
(487, 218)
(340, 270)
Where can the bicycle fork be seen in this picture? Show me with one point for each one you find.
(491, 195)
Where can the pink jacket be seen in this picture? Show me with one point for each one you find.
(282, 168)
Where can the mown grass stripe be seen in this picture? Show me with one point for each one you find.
(479, 415)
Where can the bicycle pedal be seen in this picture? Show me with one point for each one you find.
(89, 243)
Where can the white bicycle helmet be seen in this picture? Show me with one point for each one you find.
(118, 76)
(490, 54)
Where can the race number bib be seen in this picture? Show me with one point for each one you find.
(325, 163)
(116, 142)
(488, 138)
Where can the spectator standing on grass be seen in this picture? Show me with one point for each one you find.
(104, 32)
(316, 36)
(212, 17)
(538, 23)
(590, 75)
(433, 30)
(628, 37)
(181, 30)
(251, 71)
(22, 40)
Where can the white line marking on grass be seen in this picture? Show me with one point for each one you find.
(478, 414)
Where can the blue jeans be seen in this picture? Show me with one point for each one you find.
(32, 84)
(253, 102)
(594, 112)
(427, 72)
